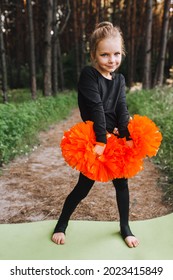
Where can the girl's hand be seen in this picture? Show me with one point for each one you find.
(99, 149)
(115, 131)
(130, 143)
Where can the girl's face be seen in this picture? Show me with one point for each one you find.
(108, 56)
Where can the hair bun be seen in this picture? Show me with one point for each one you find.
(104, 24)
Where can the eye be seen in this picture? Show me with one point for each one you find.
(117, 53)
(104, 54)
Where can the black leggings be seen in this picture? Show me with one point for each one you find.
(81, 190)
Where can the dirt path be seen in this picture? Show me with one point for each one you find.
(33, 188)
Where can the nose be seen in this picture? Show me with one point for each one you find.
(111, 59)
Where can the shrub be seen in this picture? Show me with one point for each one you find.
(157, 104)
(20, 123)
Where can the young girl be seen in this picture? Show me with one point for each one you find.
(101, 99)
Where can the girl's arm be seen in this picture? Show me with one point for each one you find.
(122, 112)
(90, 103)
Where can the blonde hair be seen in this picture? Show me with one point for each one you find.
(104, 30)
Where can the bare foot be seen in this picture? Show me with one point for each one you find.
(131, 241)
(58, 238)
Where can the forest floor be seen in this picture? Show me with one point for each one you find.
(34, 187)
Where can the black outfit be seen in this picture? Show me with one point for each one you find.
(102, 101)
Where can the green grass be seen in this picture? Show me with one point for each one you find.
(20, 121)
(17, 96)
(157, 104)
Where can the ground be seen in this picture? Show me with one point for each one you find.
(33, 187)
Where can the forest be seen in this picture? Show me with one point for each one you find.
(44, 44)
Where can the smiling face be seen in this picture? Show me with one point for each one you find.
(108, 56)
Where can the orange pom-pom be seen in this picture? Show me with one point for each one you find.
(118, 160)
(145, 135)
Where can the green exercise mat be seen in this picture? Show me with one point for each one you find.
(87, 240)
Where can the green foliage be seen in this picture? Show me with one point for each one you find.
(19, 95)
(157, 104)
(20, 123)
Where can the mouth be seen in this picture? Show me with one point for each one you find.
(111, 67)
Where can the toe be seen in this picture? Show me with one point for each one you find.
(62, 241)
(131, 241)
(136, 243)
(54, 239)
(58, 238)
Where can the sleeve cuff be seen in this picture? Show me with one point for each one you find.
(100, 143)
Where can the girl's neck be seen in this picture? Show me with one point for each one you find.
(105, 75)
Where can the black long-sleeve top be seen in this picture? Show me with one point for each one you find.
(103, 101)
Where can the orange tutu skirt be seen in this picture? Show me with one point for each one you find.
(118, 160)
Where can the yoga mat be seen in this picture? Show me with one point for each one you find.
(87, 240)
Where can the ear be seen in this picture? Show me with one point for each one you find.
(92, 56)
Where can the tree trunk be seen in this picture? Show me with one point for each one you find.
(32, 51)
(3, 64)
(61, 69)
(83, 35)
(47, 91)
(128, 35)
(148, 38)
(59, 53)
(159, 76)
(55, 52)
(98, 9)
(19, 43)
(131, 30)
(76, 38)
(133, 37)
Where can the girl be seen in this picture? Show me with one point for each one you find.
(101, 99)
